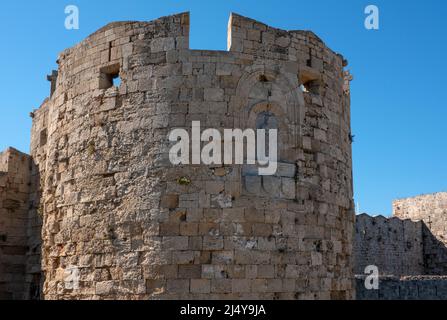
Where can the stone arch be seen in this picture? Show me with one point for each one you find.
(263, 89)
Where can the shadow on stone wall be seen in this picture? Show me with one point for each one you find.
(14, 192)
(386, 243)
(34, 274)
(405, 288)
(393, 245)
(435, 253)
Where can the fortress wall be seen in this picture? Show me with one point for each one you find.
(38, 147)
(432, 210)
(405, 288)
(411, 254)
(137, 227)
(395, 246)
(14, 190)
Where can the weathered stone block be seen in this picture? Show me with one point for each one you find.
(200, 286)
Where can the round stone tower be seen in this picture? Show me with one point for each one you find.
(120, 221)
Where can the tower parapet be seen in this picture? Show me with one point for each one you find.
(136, 226)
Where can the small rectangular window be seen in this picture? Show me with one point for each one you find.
(109, 77)
(310, 81)
(312, 86)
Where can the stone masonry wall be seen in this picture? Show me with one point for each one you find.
(395, 246)
(137, 227)
(432, 210)
(404, 288)
(14, 191)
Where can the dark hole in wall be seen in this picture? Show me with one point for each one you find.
(310, 81)
(263, 78)
(43, 137)
(309, 63)
(311, 86)
(318, 245)
(109, 76)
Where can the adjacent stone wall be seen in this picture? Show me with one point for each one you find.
(395, 246)
(432, 210)
(14, 191)
(405, 288)
(412, 250)
(138, 227)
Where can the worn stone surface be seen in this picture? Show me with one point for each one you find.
(404, 288)
(138, 227)
(431, 209)
(16, 280)
(395, 246)
(409, 249)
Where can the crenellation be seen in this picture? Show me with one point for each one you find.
(409, 249)
(395, 246)
(106, 200)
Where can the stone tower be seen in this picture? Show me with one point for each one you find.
(133, 226)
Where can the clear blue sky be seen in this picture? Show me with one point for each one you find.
(398, 105)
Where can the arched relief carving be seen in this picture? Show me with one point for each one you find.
(266, 89)
(285, 140)
(269, 92)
